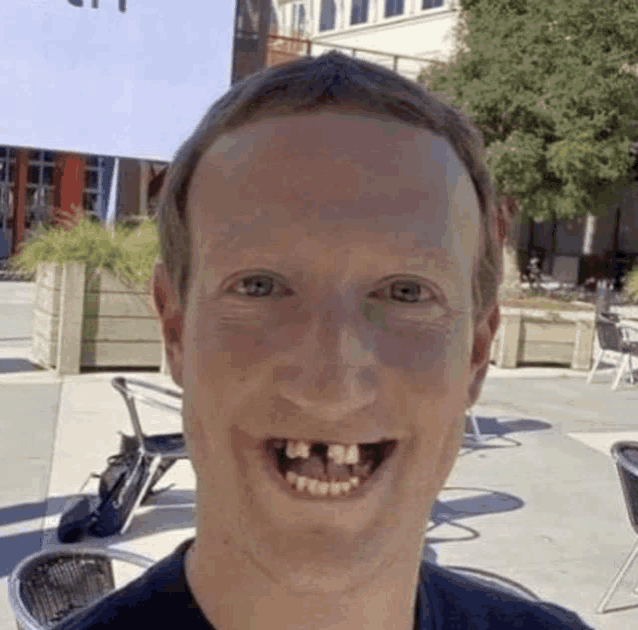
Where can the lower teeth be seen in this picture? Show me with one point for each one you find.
(318, 488)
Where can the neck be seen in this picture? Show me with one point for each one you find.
(234, 594)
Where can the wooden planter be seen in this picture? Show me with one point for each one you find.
(97, 322)
(540, 336)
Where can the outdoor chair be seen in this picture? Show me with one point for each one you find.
(494, 581)
(475, 437)
(625, 455)
(48, 587)
(472, 428)
(614, 337)
(153, 450)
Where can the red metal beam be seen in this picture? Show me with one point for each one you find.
(69, 188)
(19, 200)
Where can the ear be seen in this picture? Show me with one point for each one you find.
(484, 333)
(171, 317)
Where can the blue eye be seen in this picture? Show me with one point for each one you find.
(254, 286)
(407, 291)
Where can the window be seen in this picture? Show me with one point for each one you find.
(93, 197)
(298, 19)
(39, 206)
(359, 13)
(7, 178)
(393, 7)
(328, 14)
(431, 4)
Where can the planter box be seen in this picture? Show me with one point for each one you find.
(539, 336)
(81, 322)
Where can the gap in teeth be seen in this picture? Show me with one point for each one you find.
(339, 453)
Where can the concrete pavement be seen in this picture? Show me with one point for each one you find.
(540, 502)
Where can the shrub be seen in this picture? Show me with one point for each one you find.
(129, 253)
(631, 287)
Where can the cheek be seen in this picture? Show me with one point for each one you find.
(426, 348)
(235, 343)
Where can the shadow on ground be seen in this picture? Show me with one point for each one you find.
(172, 510)
(491, 428)
(18, 365)
(479, 503)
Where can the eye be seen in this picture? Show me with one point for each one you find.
(257, 285)
(406, 291)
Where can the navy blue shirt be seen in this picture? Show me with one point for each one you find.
(160, 599)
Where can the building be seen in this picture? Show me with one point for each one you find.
(35, 182)
(410, 34)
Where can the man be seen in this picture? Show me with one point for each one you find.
(327, 294)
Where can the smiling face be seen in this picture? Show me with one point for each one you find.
(328, 336)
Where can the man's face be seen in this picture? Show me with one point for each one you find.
(327, 346)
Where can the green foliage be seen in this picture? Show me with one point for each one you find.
(552, 85)
(631, 286)
(128, 252)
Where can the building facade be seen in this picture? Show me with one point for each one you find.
(408, 35)
(34, 182)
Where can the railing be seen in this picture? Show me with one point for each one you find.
(282, 48)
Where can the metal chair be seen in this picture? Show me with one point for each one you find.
(153, 450)
(472, 432)
(48, 587)
(472, 427)
(495, 582)
(614, 337)
(625, 455)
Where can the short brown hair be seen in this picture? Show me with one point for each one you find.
(331, 80)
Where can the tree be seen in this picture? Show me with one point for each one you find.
(552, 86)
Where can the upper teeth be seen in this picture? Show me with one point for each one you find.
(297, 449)
(339, 453)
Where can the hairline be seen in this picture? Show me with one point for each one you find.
(281, 113)
(276, 93)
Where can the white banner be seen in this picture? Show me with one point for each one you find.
(128, 78)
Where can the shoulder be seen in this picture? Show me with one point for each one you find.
(159, 598)
(456, 601)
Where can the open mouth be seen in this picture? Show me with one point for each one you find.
(326, 470)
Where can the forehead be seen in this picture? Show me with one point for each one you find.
(347, 178)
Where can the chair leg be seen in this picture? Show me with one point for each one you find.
(155, 462)
(602, 607)
(631, 370)
(477, 433)
(596, 363)
(621, 371)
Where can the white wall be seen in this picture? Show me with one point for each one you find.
(419, 33)
(106, 82)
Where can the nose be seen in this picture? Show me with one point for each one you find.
(333, 373)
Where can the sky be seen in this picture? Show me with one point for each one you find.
(105, 82)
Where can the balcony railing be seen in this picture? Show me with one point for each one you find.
(282, 49)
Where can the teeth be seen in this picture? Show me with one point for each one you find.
(321, 488)
(297, 449)
(352, 455)
(337, 453)
(341, 454)
(303, 449)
